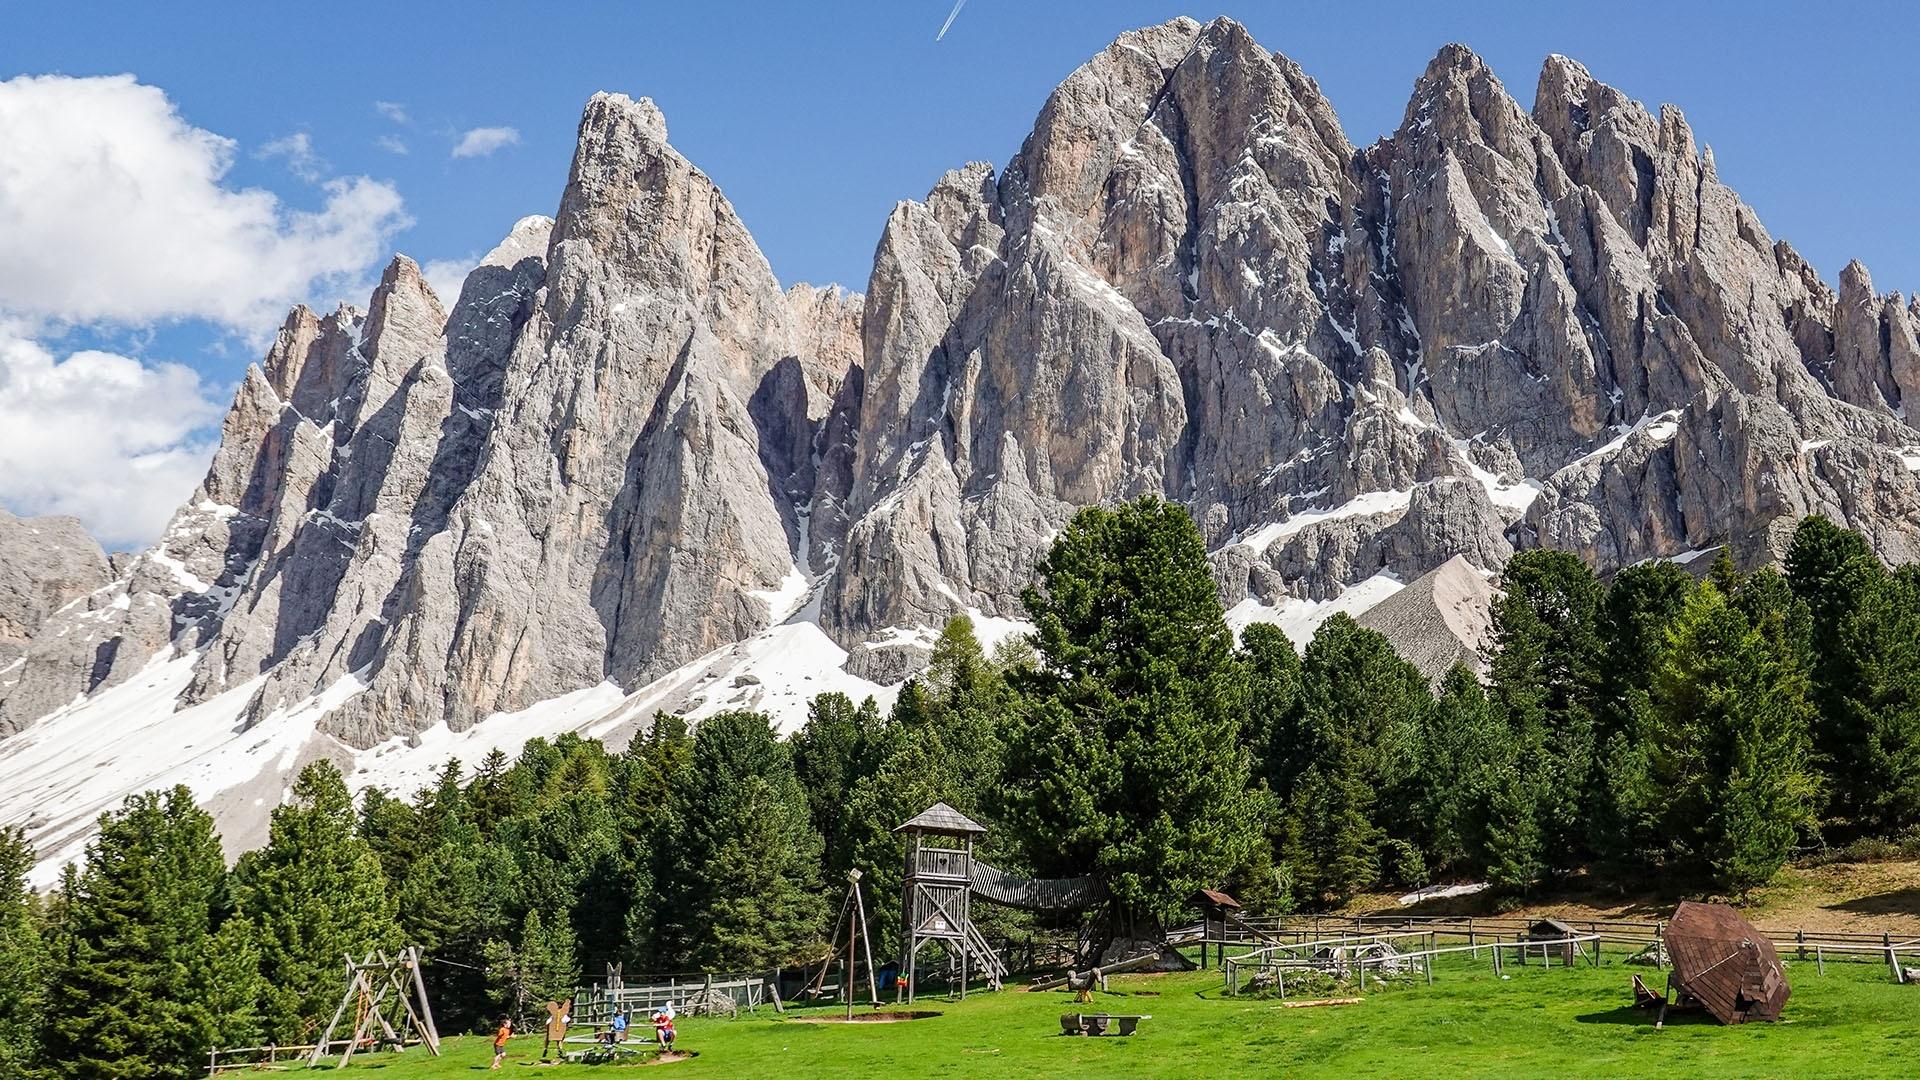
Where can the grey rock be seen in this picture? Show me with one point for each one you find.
(627, 447)
(45, 563)
(1441, 618)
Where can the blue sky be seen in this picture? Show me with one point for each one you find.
(815, 118)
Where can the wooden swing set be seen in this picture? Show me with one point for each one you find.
(387, 994)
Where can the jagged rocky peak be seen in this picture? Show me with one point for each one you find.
(1492, 328)
(602, 468)
(627, 446)
(45, 564)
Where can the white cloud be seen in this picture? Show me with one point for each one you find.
(297, 148)
(445, 276)
(392, 144)
(393, 110)
(115, 442)
(481, 141)
(112, 209)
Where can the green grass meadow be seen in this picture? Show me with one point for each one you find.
(1852, 1021)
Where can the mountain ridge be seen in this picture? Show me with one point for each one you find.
(626, 455)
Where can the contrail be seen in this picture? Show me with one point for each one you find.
(951, 15)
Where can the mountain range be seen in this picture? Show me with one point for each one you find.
(625, 469)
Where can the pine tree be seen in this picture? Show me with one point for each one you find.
(1124, 759)
(393, 831)
(547, 953)
(447, 910)
(1545, 671)
(315, 893)
(22, 960)
(912, 771)
(1832, 570)
(744, 891)
(966, 697)
(537, 968)
(1276, 712)
(490, 793)
(1881, 773)
(1511, 843)
(1332, 847)
(130, 997)
(1364, 710)
(653, 767)
(1465, 748)
(826, 761)
(1726, 732)
(1640, 603)
(565, 863)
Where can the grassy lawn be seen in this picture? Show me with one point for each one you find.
(1851, 1022)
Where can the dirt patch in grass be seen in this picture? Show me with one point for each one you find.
(1854, 897)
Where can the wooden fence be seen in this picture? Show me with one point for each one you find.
(1243, 945)
(598, 1004)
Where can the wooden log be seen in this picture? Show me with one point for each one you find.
(1319, 1002)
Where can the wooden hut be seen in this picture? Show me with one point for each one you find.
(1552, 930)
(1722, 963)
(1216, 908)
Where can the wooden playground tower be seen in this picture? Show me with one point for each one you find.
(938, 898)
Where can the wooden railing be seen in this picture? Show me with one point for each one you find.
(942, 862)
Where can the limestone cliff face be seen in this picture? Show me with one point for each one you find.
(46, 565)
(625, 445)
(1491, 329)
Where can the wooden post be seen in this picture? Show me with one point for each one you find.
(866, 943)
(1819, 960)
(1801, 937)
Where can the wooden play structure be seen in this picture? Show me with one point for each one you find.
(942, 880)
(845, 952)
(388, 999)
(1723, 964)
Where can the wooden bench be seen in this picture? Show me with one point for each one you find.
(1644, 997)
(1099, 1023)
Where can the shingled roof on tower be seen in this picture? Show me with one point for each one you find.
(941, 818)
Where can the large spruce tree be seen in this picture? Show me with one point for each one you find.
(1274, 731)
(653, 766)
(315, 894)
(1832, 570)
(1124, 754)
(1364, 711)
(1545, 675)
(1726, 736)
(1880, 771)
(744, 890)
(828, 760)
(143, 988)
(1465, 751)
(22, 957)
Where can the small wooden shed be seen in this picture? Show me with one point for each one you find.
(1721, 962)
(1553, 930)
(1216, 908)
